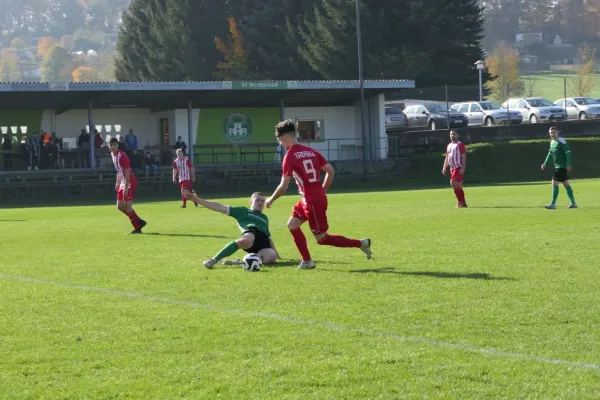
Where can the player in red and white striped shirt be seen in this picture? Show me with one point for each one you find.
(185, 169)
(456, 159)
(125, 185)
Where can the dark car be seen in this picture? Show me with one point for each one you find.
(434, 116)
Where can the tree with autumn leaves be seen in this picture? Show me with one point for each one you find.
(503, 66)
(235, 65)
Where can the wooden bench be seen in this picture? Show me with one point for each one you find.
(259, 149)
(214, 150)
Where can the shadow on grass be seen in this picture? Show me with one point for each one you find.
(187, 235)
(435, 274)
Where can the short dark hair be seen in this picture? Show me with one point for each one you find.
(113, 140)
(285, 127)
(553, 127)
(256, 194)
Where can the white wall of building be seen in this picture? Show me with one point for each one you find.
(341, 133)
(144, 123)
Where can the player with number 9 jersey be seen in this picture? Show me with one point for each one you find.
(305, 164)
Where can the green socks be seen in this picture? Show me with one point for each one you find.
(570, 193)
(554, 194)
(226, 251)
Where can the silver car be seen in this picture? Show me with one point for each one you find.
(536, 109)
(580, 107)
(395, 119)
(487, 113)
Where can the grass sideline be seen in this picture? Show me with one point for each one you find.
(550, 84)
(498, 300)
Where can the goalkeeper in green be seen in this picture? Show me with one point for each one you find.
(560, 154)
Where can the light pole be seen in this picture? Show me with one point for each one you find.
(480, 66)
(363, 118)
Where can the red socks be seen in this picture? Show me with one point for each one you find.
(184, 199)
(301, 244)
(339, 241)
(135, 220)
(460, 195)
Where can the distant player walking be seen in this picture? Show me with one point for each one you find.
(184, 168)
(125, 185)
(456, 159)
(560, 153)
(305, 165)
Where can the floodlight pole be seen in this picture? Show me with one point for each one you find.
(190, 133)
(363, 119)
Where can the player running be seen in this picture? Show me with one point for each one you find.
(456, 159)
(125, 185)
(560, 153)
(184, 168)
(305, 165)
(254, 225)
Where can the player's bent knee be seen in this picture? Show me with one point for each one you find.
(269, 256)
(245, 243)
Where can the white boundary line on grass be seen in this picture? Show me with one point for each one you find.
(327, 325)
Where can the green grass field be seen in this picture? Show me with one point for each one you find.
(496, 301)
(550, 85)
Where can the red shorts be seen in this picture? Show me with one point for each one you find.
(130, 195)
(187, 185)
(455, 175)
(315, 213)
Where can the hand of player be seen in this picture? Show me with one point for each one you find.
(444, 171)
(194, 180)
(569, 169)
(543, 167)
(462, 171)
(174, 180)
(116, 187)
(126, 192)
(269, 202)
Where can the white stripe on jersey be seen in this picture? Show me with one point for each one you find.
(183, 170)
(453, 151)
(117, 163)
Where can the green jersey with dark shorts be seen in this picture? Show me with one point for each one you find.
(560, 153)
(254, 222)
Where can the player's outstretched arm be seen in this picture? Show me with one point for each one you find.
(280, 191)
(211, 205)
(329, 174)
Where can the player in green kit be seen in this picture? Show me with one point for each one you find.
(254, 225)
(560, 154)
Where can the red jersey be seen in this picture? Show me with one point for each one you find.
(304, 164)
(454, 152)
(183, 167)
(121, 163)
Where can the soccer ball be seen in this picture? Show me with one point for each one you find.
(252, 262)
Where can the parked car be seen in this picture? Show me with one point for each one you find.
(434, 116)
(487, 113)
(580, 107)
(536, 109)
(395, 119)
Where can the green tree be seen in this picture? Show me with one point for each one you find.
(57, 65)
(18, 44)
(10, 70)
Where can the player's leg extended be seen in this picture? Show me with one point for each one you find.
(317, 220)
(244, 242)
(569, 190)
(459, 193)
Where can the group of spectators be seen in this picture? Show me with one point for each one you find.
(41, 151)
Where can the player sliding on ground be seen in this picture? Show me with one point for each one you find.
(305, 165)
(125, 185)
(456, 159)
(560, 153)
(185, 170)
(254, 225)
